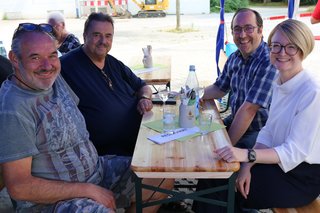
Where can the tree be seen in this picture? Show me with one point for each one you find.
(178, 14)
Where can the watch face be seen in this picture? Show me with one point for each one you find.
(251, 155)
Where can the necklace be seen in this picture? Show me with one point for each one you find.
(107, 79)
(21, 81)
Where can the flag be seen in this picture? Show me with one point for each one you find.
(220, 36)
(293, 6)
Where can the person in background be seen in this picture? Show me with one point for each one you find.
(5, 68)
(112, 98)
(286, 151)
(66, 41)
(315, 17)
(48, 162)
(248, 76)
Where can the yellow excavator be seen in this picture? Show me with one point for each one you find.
(151, 8)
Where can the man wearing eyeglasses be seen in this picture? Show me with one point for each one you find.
(248, 76)
(48, 162)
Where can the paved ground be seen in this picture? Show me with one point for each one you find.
(197, 47)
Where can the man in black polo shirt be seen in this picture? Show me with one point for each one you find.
(5, 68)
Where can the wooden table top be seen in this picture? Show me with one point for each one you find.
(159, 74)
(193, 158)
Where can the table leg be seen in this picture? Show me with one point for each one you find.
(231, 188)
(168, 85)
(138, 188)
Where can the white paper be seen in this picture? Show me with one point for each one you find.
(177, 133)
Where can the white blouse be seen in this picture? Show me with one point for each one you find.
(293, 126)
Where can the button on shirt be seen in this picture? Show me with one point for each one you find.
(249, 80)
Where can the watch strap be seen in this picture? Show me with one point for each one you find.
(144, 97)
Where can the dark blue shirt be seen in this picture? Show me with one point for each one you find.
(249, 80)
(111, 113)
(71, 42)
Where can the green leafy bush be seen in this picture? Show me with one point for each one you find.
(307, 2)
(229, 5)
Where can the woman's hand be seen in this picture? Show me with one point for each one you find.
(232, 154)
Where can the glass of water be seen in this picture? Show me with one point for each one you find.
(205, 122)
(163, 93)
(169, 120)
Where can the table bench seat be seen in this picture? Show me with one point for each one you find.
(313, 207)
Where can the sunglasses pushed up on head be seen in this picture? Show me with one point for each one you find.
(30, 27)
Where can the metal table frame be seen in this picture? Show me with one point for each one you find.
(229, 204)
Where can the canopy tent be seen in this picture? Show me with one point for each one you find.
(293, 6)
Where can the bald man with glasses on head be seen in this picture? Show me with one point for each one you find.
(48, 162)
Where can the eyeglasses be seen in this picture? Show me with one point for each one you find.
(247, 29)
(290, 49)
(30, 27)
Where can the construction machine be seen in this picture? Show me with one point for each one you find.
(151, 8)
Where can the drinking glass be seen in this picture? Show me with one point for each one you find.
(205, 121)
(169, 119)
(200, 91)
(163, 93)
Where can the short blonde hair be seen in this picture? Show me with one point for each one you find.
(297, 33)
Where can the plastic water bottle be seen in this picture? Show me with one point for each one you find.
(192, 80)
(192, 83)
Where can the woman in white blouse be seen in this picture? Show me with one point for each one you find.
(283, 168)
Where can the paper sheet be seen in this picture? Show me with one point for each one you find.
(157, 126)
(177, 133)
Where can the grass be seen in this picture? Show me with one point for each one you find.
(269, 4)
(279, 4)
(181, 30)
(310, 9)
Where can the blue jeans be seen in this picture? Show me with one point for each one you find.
(117, 177)
(248, 140)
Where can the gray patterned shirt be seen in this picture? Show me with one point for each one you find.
(48, 126)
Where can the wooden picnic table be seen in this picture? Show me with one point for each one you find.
(159, 74)
(193, 158)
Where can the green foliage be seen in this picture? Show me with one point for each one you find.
(281, 2)
(229, 5)
(307, 2)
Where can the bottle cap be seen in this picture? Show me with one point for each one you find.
(192, 68)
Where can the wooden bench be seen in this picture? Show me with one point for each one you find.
(313, 207)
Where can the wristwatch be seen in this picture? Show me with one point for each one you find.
(144, 97)
(251, 155)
